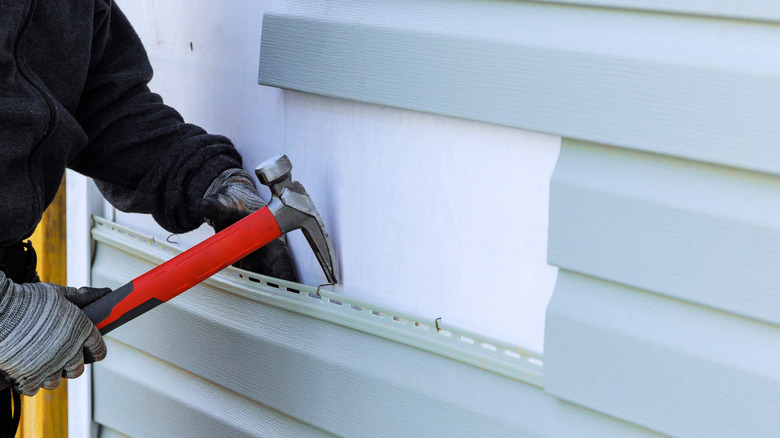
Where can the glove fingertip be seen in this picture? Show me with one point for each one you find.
(211, 208)
(74, 371)
(95, 348)
(27, 387)
(52, 382)
(85, 296)
(75, 366)
(273, 260)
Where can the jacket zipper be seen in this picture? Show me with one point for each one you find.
(52, 113)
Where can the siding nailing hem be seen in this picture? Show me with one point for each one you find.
(428, 334)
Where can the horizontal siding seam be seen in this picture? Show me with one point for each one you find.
(688, 8)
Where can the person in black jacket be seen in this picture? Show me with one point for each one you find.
(73, 94)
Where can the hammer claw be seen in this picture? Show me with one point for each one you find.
(293, 209)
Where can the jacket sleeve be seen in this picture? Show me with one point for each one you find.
(141, 154)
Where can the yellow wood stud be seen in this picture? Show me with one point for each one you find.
(46, 414)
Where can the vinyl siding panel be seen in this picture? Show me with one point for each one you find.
(701, 233)
(678, 368)
(106, 432)
(233, 358)
(146, 397)
(760, 10)
(663, 208)
(663, 220)
(686, 86)
(665, 310)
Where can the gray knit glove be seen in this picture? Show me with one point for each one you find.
(44, 336)
(231, 197)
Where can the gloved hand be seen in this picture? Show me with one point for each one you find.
(231, 197)
(43, 334)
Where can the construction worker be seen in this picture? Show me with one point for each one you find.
(73, 94)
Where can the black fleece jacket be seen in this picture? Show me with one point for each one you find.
(73, 93)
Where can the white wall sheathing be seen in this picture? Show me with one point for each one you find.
(432, 215)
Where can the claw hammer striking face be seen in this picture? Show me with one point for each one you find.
(290, 209)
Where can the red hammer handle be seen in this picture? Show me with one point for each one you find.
(184, 271)
(181, 272)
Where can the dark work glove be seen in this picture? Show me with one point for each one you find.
(44, 336)
(231, 197)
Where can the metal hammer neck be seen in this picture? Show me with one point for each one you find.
(294, 210)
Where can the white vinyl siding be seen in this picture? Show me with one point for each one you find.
(235, 357)
(663, 222)
(664, 217)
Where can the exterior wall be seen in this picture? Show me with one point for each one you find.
(411, 232)
(661, 219)
(663, 212)
(236, 356)
(409, 198)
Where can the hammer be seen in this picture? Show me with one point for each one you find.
(290, 209)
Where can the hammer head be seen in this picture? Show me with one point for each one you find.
(293, 209)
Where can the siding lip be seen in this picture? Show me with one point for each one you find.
(758, 10)
(342, 381)
(684, 86)
(449, 341)
(179, 403)
(677, 368)
(696, 232)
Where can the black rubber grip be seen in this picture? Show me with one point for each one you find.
(138, 311)
(101, 309)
